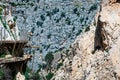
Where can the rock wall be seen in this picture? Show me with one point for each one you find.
(54, 23)
(95, 53)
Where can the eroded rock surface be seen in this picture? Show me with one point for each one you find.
(96, 53)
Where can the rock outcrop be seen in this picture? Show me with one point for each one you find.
(54, 24)
(95, 54)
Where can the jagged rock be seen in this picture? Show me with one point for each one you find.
(8, 56)
(54, 23)
(96, 52)
(110, 16)
(106, 2)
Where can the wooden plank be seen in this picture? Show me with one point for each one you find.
(14, 59)
(10, 41)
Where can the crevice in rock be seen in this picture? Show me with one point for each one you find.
(118, 1)
(100, 36)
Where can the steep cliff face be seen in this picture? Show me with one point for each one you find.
(95, 55)
(54, 23)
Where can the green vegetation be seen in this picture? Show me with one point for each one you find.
(77, 3)
(92, 8)
(41, 66)
(1, 74)
(36, 76)
(87, 29)
(107, 50)
(66, 52)
(57, 21)
(42, 17)
(55, 10)
(13, 4)
(35, 9)
(31, 4)
(49, 76)
(78, 66)
(78, 33)
(69, 35)
(62, 14)
(68, 22)
(49, 13)
(59, 65)
(14, 19)
(47, 46)
(20, 4)
(33, 29)
(39, 23)
(41, 31)
(1, 10)
(75, 10)
(2, 55)
(81, 20)
(49, 58)
(29, 74)
(73, 29)
(49, 36)
(16, 4)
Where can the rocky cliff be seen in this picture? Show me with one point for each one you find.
(95, 54)
(54, 23)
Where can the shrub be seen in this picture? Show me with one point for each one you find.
(63, 14)
(49, 36)
(49, 76)
(73, 28)
(35, 9)
(75, 10)
(31, 75)
(2, 55)
(1, 9)
(78, 33)
(77, 3)
(92, 8)
(59, 65)
(81, 20)
(39, 23)
(32, 30)
(55, 10)
(68, 21)
(42, 17)
(1, 74)
(87, 29)
(48, 58)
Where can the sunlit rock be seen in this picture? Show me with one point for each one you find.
(96, 52)
(19, 76)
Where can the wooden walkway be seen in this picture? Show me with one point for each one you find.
(14, 59)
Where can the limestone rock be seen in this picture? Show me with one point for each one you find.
(8, 56)
(96, 53)
(19, 76)
(107, 2)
